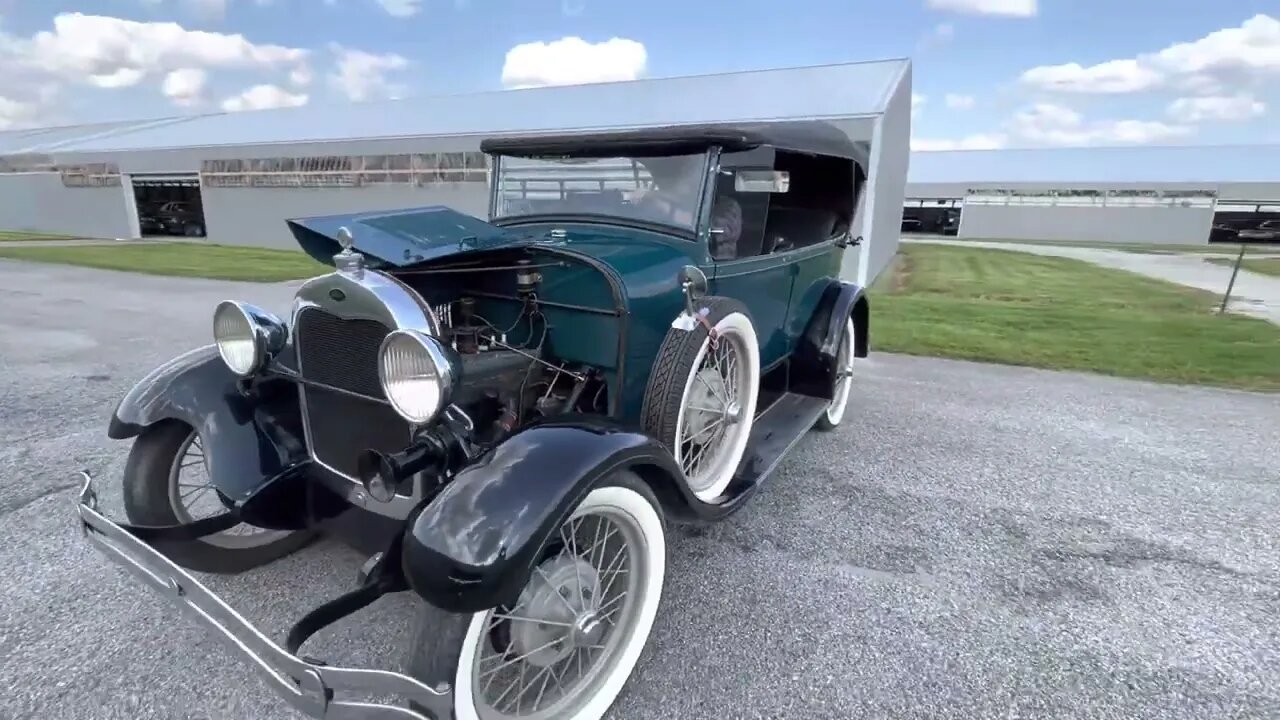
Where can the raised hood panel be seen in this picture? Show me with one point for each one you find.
(401, 237)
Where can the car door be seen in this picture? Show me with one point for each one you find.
(743, 269)
(762, 283)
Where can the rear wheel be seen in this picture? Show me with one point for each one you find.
(830, 419)
(567, 646)
(166, 482)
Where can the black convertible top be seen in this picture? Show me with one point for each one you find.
(815, 137)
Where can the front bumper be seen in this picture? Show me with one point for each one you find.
(309, 687)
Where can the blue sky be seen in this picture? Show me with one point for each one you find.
(1019, 72)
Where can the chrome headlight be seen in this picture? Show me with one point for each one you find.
(246, 336)
(417, 373)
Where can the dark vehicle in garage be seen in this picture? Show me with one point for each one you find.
(1266, 231)
(506, 414)
(175, 217)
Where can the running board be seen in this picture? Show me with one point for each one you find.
(775, 432)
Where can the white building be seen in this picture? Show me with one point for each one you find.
(248, 172)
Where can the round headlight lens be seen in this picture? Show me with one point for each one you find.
(236, 336)
(416, 375)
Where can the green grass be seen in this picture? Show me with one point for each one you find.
(221, 262)
(1022, 309)
(12, 235)
(1265, 266)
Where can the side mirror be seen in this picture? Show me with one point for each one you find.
(762, 181)
(693, 281)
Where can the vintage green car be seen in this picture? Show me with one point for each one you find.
(505, 414)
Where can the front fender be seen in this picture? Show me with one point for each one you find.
(815, 355)
(250, 437)
(475, 545)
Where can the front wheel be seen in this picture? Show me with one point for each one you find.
(567, 646)
(166, 482)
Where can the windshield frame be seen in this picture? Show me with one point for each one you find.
(693, 232)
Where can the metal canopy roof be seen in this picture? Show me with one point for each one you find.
(43, 140)
(1101, 165)
(842, 91)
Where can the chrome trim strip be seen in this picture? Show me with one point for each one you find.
(305, 686)
(369, 295)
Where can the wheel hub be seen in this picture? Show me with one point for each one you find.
(562, 596)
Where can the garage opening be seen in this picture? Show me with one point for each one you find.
(169, 205)
(1246, 222)
(932, 216)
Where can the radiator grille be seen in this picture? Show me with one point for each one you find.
(343, 353)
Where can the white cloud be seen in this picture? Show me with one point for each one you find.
(573, 61)
(1254, 46)
(363, 76)
(263, 97)
(979, 141)
(1114, 76)
(1050, 124)
(15, 114)
(955, 101)
(935, 36)
(1004, 8)
(1220, 107)
(1230, 57)
(301, 76)
(401, 8)
(918, 101)
(185, 87)
(111, 52)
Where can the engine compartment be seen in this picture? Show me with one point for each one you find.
(525, 350)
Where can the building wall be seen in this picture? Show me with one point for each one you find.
(1262, 191)
(1143, 225)
(256, 216)
(39, 202)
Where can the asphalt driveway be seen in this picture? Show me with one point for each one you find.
(982, 542)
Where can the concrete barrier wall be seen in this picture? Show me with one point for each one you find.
(39, 202)
(256, 216)
(1153, 225)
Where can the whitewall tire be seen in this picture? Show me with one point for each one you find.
(844, 380)
(567, 647)
(701, 398)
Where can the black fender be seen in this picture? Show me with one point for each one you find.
(814, 360)
(474, 545)
(251, 431)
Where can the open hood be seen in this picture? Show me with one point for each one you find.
(400, 237)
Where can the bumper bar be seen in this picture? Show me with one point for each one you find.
(308, 687)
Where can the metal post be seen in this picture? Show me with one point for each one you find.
(1234, 271)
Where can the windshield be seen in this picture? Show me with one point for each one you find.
(663, 190)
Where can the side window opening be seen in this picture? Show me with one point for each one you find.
(819, 204)
(738, 219)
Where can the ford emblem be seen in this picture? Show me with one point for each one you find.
(337, 295)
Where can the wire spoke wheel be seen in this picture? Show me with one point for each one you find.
(715, 420)
(193, 497)
(565, 647)
(844, 380)
(542, 656)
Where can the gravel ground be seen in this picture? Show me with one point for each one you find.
(987, 542)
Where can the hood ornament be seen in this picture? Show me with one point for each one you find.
(348, 261)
